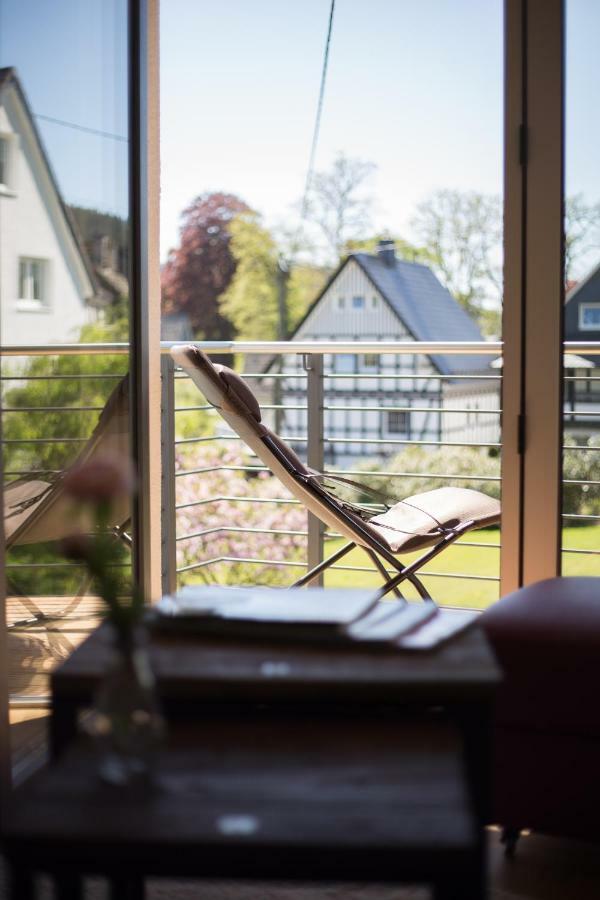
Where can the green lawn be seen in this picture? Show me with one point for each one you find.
(462, 561)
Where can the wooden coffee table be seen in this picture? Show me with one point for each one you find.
(251, 682)
(278, 800)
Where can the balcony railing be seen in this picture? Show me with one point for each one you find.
(354, 422)
(335, 420)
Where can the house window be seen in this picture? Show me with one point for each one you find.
(345, 363)
(3, 162)
(32, 281)
(341, 302)
(397, 422)
(370, 361)
(589, 317)
(358, 302)
(374, 302)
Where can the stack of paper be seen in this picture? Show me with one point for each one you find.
(315, 614)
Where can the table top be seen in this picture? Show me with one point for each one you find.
(229, 799)
(216, 669)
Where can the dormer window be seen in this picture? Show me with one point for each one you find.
(589, 316)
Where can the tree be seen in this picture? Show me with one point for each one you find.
(461, 232)
(69, 391)
(337, 203)
(250, 301)
(201, 268)
(582, 235)
(265, 300)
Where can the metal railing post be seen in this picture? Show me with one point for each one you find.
(313, 363)
(167, 438)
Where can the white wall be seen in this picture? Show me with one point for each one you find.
(32, 225)
(476, 419)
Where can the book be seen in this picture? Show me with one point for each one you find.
(295, 613)
(308, 615)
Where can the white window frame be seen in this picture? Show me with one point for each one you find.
(7, 182)
(26, 302)
(582, 325)
(4, 162)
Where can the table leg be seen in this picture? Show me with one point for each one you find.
(63, 725)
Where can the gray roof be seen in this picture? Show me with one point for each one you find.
(426, 308)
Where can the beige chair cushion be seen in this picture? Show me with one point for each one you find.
(414, 523)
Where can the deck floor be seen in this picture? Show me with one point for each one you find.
(35, 647)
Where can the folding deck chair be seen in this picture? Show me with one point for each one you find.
(430, 521)
(37, 510)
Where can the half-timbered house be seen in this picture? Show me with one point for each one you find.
(374, 403)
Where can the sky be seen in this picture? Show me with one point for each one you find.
(415, 88)
(423, 103)
(71, 58)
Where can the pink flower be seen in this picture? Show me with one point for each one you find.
(100, 480)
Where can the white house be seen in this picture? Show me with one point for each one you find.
(406, 398)
(47, 285)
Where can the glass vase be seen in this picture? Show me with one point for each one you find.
(126, 723)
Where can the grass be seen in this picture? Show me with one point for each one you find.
(460, 562)
(452, 584)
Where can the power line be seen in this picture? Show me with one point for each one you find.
(84, 128)
(317, 128)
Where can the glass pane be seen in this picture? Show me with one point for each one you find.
(581, 423)
(389, 231)
(64, 241)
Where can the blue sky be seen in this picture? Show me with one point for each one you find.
(414, 87)
(72, 62)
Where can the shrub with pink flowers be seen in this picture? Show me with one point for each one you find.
(234, 528)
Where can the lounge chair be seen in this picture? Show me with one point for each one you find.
(36, 510)
(430, 521)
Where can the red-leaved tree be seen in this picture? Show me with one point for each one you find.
(199, 270)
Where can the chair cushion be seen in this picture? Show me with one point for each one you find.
(415, 522)
(547, 640)
(236, 383)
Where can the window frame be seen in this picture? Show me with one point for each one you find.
(581, 324)
(7, 181)
(25, 302)
(403, 416)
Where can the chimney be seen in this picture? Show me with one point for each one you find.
(386, 251)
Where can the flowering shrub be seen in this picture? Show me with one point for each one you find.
(221, 517)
